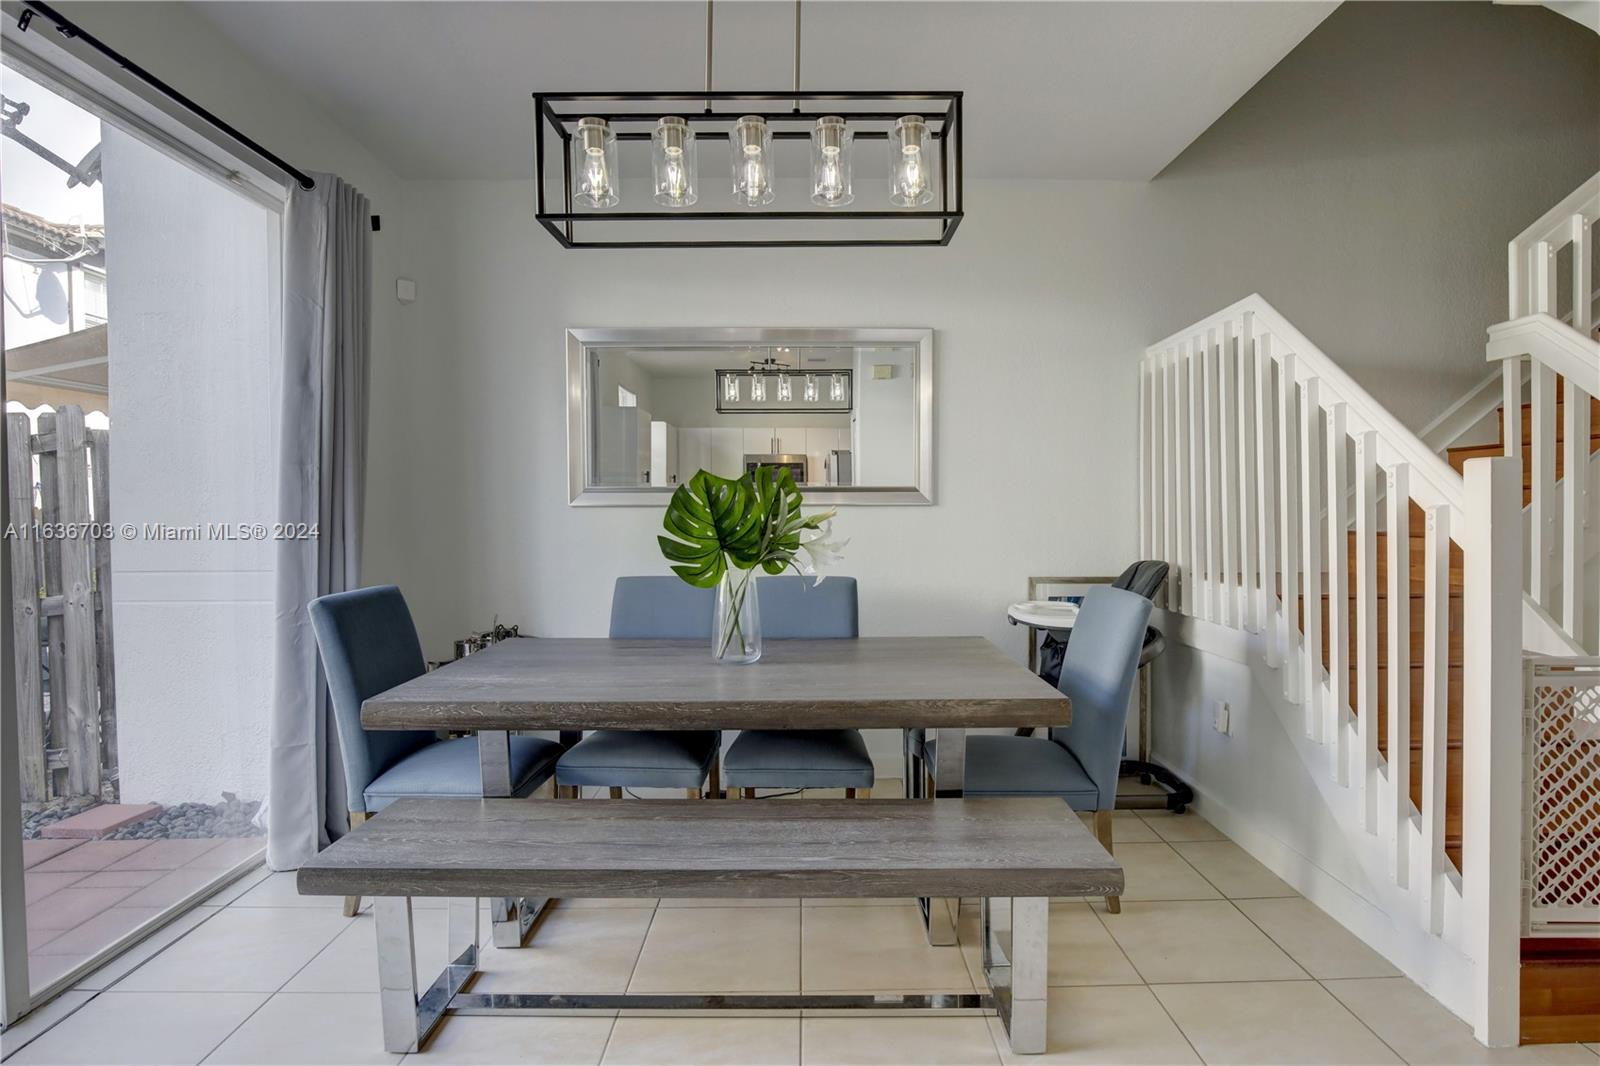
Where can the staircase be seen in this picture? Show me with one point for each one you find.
(1272, 482)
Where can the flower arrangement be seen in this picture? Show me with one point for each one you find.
(720, 531)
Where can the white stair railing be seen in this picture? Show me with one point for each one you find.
(1252, 441)
(1548, 335)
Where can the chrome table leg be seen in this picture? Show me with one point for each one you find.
(939, 916)
(510, 918)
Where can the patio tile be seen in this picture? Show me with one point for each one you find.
(97, 933)
(166, 854)
(113, 971)
(1424, 1032)
(727, 949)
(238, 887)
(240, 950)
(1173, 941)
(38, 885)
(169, 888)
(44, 970)
(100, 821)
(1324, 947)
(122, 1027)
(230, 852)
(1275, 1022)
(896, 1041)
(1117, 1026)
(36, 851)
(704, 1042)
(118, 878)
(875, 949)
(533, 1041)
(72, 906)
(91, 855)
(291, 1030)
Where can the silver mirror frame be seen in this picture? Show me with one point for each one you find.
(580, 432)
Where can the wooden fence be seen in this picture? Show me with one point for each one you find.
(58, 485)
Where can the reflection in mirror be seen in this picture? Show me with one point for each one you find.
(841, 417)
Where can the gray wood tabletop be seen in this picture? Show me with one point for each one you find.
(879, 682)
(754, 849)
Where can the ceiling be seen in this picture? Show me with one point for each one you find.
(1053, 90)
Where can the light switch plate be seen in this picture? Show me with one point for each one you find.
(882, 371)
(1221, 718)
(405, 290)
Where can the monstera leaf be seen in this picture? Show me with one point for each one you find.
(714, 522)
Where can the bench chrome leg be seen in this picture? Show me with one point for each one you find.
(397, 973)
(409, 1017)
(1016, 954)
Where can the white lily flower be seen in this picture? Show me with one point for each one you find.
(819, 551)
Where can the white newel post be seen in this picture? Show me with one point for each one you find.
(1492, 755)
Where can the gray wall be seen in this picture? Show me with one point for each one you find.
(1368, 185)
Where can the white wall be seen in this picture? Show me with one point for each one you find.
(1042, 287)
(1367, 186)
(192, 271)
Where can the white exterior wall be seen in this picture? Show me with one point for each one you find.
(193, 272)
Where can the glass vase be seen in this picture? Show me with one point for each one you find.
(736, 637)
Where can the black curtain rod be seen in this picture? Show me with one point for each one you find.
(67, 28)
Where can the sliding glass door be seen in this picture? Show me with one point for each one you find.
(141, 347)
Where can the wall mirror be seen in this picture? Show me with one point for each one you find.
(849, 412)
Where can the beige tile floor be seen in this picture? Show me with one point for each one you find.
(1212, 960)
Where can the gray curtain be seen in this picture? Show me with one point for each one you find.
(327, 312)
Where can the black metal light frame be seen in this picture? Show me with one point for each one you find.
(556, 118)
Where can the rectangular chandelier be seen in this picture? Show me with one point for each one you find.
(776, 169)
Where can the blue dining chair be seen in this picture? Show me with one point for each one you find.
(792, 608)
(368, 644)
(650, 608)
(1078, 762)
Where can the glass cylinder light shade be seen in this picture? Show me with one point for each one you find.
(785, 390)
(811, 388)
(830, 162)
(594, 164)
(910, 177)
(676, 164)
(751, 143)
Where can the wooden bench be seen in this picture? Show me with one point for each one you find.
(1013, 854)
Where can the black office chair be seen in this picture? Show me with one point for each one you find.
(1144, 578)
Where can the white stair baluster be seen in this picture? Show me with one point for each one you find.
(1367, 627)
(1542, 517)
(1250, 575)
(1209, 400)
(1338, 712)
(1398, 794)
(1228, 423)
(1288, 517)
(1311, 552)
(1435, 714)
(1266, 499)
(1575, 512)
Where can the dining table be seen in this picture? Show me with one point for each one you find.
(946, 685)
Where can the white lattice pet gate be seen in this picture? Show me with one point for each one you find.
(1561, 858)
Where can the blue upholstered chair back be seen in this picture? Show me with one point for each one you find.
(792, 608)
(660, 608)
(666, 608)
(1102, 661)
(368, 644)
